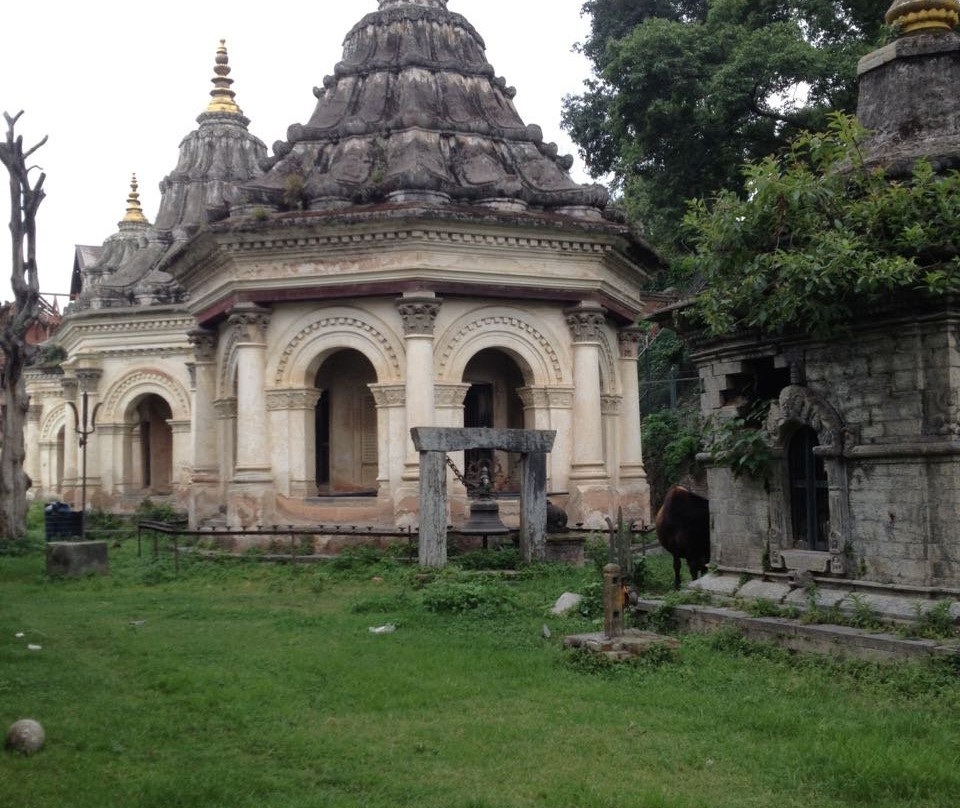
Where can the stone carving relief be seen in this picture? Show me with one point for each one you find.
(389, 395)
(630, 339)
(450, 395)
(801, 405)
(586, 323)
(419, 315)
(249, 323)
(204, 342)
(298, 399)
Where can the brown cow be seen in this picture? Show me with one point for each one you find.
(683, 529)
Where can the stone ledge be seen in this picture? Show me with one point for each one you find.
(841, 641)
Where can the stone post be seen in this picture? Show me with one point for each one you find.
(590, 493)
(533, 507)
(433, 509)
(251, 497)
(612, 602)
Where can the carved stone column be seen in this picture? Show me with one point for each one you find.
(251, 499)
(589, 484)
(204, 471)
(392, 435)
(419, 314)
(633, 487)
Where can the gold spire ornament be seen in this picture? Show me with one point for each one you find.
(134, 211)
(221, 95)
(927, 16)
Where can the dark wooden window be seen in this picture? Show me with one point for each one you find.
(322, 431)
(809, 495)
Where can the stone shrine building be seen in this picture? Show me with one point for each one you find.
(413, 255)
(864, 490)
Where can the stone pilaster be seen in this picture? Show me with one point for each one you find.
(251, 497)
(633, 487)
(419, 315)
(204, 468)
(31, 437)
(590, 493)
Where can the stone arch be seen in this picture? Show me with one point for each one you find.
(507, 330)
(314, 338)
(52, 422)
(228, 366)
(801, 406)
(609, 380)
(122, 395)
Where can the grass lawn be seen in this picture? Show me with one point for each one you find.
(241, 684)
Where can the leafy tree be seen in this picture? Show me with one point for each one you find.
(817, 233)
(686, 91)
(16, 318)
(671, 440)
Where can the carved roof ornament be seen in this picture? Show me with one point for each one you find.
(221, 95)
(927, 16)
(134, 211)
(414, 112)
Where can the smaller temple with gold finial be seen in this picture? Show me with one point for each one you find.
(134, 211)
(913, 16)
(222, 97)
(908, 89)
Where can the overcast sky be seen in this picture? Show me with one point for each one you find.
(116, 86)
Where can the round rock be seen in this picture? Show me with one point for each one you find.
(25, 735)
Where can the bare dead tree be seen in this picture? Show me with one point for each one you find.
(16, 318)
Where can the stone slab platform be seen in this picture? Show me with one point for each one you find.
(632, 643)
(76, 558)
(841, 641)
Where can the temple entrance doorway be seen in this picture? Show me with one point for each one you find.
(345, 426)
(492, 401)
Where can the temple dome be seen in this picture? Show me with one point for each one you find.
(415, 112)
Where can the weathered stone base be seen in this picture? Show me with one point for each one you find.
(76, 558)
(886, 603)
(632, 643)
(841, 641)
(590, 504)
(251, 503)
(634, 501)
(205, 501)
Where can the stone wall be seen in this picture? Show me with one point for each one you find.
(884, 403)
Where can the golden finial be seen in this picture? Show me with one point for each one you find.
(221, 94)
(929, 16)
(134, 212)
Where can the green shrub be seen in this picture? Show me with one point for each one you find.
(150, 511)
(505, 559)
(482, 598)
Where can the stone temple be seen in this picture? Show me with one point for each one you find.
(412, 255)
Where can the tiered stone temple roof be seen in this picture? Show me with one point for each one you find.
(414, 112)
(215, 159)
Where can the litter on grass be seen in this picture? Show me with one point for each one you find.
(389, 628)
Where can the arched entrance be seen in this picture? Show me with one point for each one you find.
(345, 426)
(149, 449)
(493, 401)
